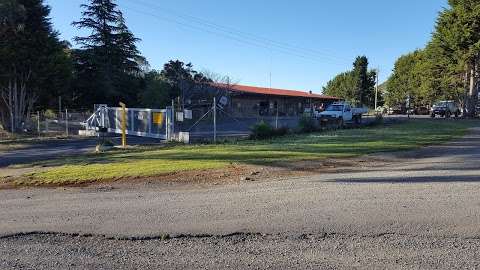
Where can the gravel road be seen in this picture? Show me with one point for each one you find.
(418, 209)
(240, 252)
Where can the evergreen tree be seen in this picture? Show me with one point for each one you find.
(183, 80)
(110, 58)
(405, 81)
(448, 68)
(356, 86)
(343, 85)
(32, 59)
(362, 83)
(457, 39)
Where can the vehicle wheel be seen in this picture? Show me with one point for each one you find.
(448, 114)
(356, 120)
(457, 114)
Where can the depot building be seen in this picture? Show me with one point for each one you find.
(250, 101)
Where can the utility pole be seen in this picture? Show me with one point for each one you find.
(214, 119)
(376, 89)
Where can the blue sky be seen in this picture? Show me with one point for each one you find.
(302, 44)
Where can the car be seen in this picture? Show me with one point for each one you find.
(445, 109)
(397, 110)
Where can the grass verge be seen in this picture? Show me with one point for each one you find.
(332, 144)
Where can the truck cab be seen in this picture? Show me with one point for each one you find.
(342, 112)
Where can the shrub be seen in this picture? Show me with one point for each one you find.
(262, 131)
(50, 114)
(307, 124)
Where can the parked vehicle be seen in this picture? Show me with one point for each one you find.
(445, 109)
(342, 112)
(381, 110)
(422, 110)
(397, 110)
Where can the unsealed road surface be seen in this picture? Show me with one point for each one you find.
(419, 209)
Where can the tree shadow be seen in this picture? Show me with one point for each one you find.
(409, 180)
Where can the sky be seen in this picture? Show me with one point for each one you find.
(285, 44)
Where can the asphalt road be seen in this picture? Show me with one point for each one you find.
(418, 209)
(49, 149)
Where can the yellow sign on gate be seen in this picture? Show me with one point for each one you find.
(158, 118)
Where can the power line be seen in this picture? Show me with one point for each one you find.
(242, 38)
(239, 32)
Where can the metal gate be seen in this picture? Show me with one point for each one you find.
(150, 123)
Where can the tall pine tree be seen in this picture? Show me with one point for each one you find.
(107, 66)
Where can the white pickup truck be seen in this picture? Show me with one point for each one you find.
(341, 113)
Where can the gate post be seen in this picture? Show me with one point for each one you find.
(124, 125)
(214, 119)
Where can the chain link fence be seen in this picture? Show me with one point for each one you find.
(52, 123)
(214, 120)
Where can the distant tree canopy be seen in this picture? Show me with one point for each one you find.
(176, 81)
(356, 86)
(449, 65)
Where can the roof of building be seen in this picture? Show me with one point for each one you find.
(276, 92)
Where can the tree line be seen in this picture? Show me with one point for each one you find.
(447, 68)
(38, 70)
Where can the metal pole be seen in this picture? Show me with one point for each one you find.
(124, 125)
(60, 105)
(376, 89)
(214, 119)
(173, 120)
(276, 117)
(167, 125)
(38, 122)
(46, 125)
(66, 121)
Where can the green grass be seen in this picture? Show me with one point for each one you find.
(331, 144)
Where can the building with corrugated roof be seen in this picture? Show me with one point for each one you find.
(247, 101)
